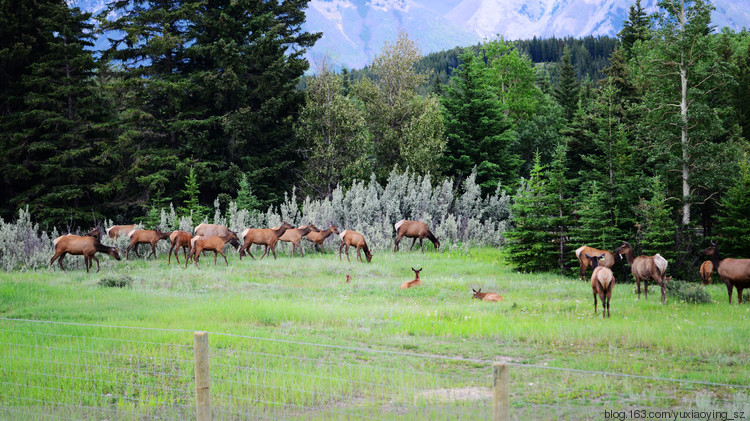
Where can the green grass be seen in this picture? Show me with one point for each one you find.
(545, 320)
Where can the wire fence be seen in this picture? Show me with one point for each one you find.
(52, 370)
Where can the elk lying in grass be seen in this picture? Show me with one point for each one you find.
(486, 296)
(602, 283)
(734, 272)
(645, 268)
(294, 236)
(415, 230)
(318, 237)
(81, 245)
(353, 238)
(145, 237)
(179, 239)
(118, 230)
(267, 237)
(414, 282)
(208, 230)
(707, 269)
(583, 263)
(213, 243)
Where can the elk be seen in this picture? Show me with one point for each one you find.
(486, 296)
(213, 243)
(294, 235)
(81, 245)
(602, 283)
(415, 230)
(734, 272)
(707, 269)
(267, 237)
(207, 230)
(96, 233)
(583, 263)
(118, 230)
(318, 237)
(348, 278)
(645, 268)
(179, 239)
(145, 237)
(414, 282)
(353, 238)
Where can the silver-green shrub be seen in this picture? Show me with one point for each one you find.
(24, 246)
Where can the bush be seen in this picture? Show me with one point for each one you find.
(688, 292)
(116, 281)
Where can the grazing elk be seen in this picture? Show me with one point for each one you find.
(734, 272)
(583, 263)
(267, 237)
(145, 237)
(707, 269)
(81, 245)
(118, 230)
(213, 243)
(353, 238)
(486, 296)
(415, 230)
(207, 230)
(294, 235)
(318, 237)
(414, 282)
(645, 268)
(602, 283)
(179, 239)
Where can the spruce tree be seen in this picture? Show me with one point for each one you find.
(734, 222)
(657, 225)
(561, 203)
(567, 89)
(636, 28)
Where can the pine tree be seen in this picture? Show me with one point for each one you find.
(657, 226)
(559, 193)
(245, 198)
(567, 89)
(636, 28)
(191, 205)
(734, 223)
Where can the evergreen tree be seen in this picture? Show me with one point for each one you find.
(567, 89)
(558, 189)
(245, 198)
(191, 204)
(734, 223)
(594, 228)
(657, 226)
(636, 28)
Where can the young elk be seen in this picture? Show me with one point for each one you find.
(145, 237)
(707, 269)
(294, 235)
(353, 238)
(179, 239)
(267, 237)
(318, 237)
(486, 296)
(583, 263)
(414, 282)
(602, 283)
(415, 230)
(645, 268)
(80, 245)
(734, 272)
(208, 230)
(213, 243)
(118, 230)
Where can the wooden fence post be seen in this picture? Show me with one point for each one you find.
(500, 392)
(202, 378)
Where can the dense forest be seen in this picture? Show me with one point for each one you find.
(640, 137)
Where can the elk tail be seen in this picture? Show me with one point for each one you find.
(579, 250)
(398, 224)
(661, 264)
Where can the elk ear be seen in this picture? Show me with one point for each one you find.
(602, 256)
(473, 290)
(419, 270)
(587, 256)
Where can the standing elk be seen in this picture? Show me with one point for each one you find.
(707, 269)
(734, 272)
(486, 296)
(645, 268)
(267, 237)
(96, 233)
(145, 237)
(414, 282)
(118, 230)
(415, 230)
(213, 243)
(602, 283)
(353, 238)
(208, 230)
(583, 263)
(179, 239)
(318, 237)
(80, 245)
(294, 235)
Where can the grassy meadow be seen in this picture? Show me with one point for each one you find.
(545, 320)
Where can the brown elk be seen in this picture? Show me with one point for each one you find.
(583, 263)
(213, 243)
(602, 283)
(645, 268)
(179, 239)
(414, 282)
(96, 233)
(145, 237)
(118, 230)
(707, 269)
(294, 235)
(486, 296)
(208, 230)
(318, 237)
(81, 245)
(415, 230)
(734, 272)
(267, 237)
(353, 238)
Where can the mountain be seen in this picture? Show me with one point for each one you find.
(354, 31)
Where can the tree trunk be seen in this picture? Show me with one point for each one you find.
(684, 129)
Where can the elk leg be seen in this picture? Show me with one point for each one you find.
(55, 257)
(301, 249)
(398, 240)
(739, 294)
(321, 248)
(196, 256)
(645, 287)
(216, 254)
(92, 264)
(169, 258)
(225, 258)
(595, 312)
(273, 250)
(185, 250)
(582, 270)
(359, 256)
(412, 243)
(136, 250)
(62, 256)
(421, 246)
(153, 251)
(347, 253)
(342, 246)
(638, 285)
